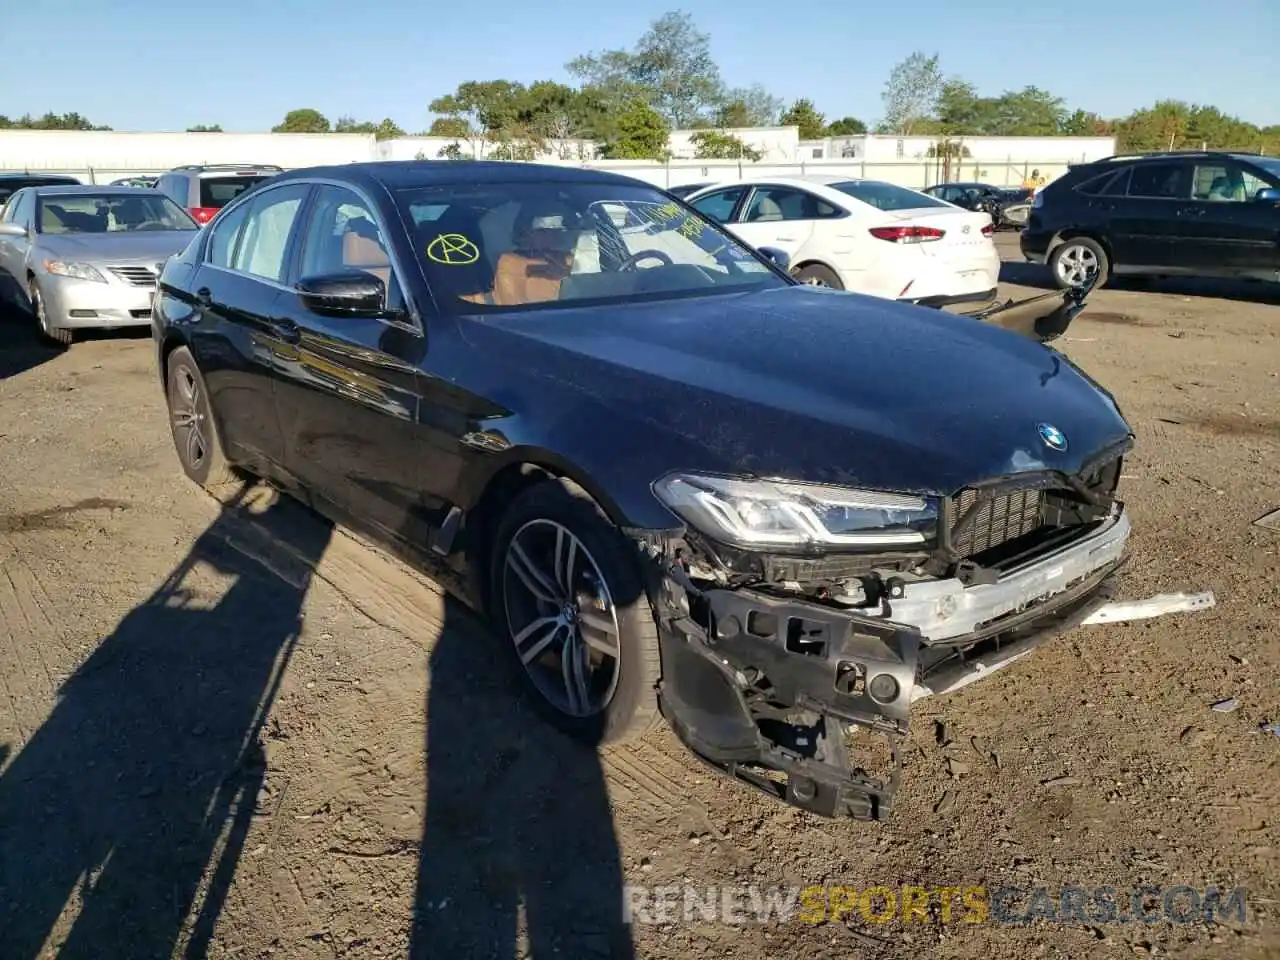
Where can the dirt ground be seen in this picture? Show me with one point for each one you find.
(228, 730)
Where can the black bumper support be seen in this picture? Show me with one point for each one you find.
(766, 692)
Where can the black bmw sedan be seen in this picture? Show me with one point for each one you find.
(679, 484)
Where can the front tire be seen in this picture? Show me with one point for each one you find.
(816, 275)
(62, 336)
(195, 435)
(568, 601)
(1079, 261)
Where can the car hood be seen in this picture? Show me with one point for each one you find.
(148, 246)
(818, 386)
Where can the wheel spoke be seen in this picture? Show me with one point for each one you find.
(566, 556)
(533, 579)
(195, 449)
(542, 632)
(573, 671)
(599, 632)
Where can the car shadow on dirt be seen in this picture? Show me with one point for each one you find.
(21, 346)
(126, 812)
(1038, 277)
(519, 856)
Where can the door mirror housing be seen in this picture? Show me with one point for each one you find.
(12, 230)
(351, 294)
(780, 258)
(1267, 195)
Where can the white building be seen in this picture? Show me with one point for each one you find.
(886, 148)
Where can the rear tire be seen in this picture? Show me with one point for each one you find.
(1075, 261)
(564, 582)
(816, 275)
(195, 435)
(59, 335)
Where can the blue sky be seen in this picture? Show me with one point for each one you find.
(142, 65)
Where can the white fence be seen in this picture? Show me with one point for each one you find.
(916, 174)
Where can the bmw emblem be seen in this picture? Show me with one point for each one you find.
(1053, 438)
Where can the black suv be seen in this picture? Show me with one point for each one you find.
(203, 190)
(1160, 214)
(680, 483)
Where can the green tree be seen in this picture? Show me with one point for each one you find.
(449, 127)
(304, 120)
(489, 108)
(387, 129)
(50, 121)
(752, 106)
(718, 145)
(911, 93)
(641, 134)
(846, 127)
(205, 128)
(804, 115)
(450, 151)
(671, 67)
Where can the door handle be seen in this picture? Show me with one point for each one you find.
(285, 329)
(204, 297)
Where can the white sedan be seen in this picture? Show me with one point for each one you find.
(865, 236)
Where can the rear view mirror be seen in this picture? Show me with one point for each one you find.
(351, 294)
(780, 258)
(1267, 195)
(12, 230)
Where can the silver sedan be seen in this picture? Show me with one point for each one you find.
(81, 256)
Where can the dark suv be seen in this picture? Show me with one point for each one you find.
(1162, 214)
(204, 190)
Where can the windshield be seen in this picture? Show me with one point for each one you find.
(111, 213)
(504, 245)
(885, 196)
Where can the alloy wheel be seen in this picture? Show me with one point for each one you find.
(1077, 266)
(812, 281)
(190, 416)
(561, 618)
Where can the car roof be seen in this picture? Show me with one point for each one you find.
(59, 177)
(76, 189)
(403, 174)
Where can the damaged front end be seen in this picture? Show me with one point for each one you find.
(796, 674)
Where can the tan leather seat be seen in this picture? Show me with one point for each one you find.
(767, 209)
(533, 275)
(362, 250)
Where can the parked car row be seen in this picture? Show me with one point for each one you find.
(680, 483)
(77, 256)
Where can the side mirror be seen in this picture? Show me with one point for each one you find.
(780, 258)
(351, 294)
(12, 230)
(1267, 195)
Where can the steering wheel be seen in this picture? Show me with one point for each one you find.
(635, 258)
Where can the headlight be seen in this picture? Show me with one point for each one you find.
(780, 513)
(76, 271)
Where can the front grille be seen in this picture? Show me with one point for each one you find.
(1000, 518)
(137, 275)
(1004, 516)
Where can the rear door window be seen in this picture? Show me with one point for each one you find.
(217, 192)
(719, 205)
(1161, 181)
